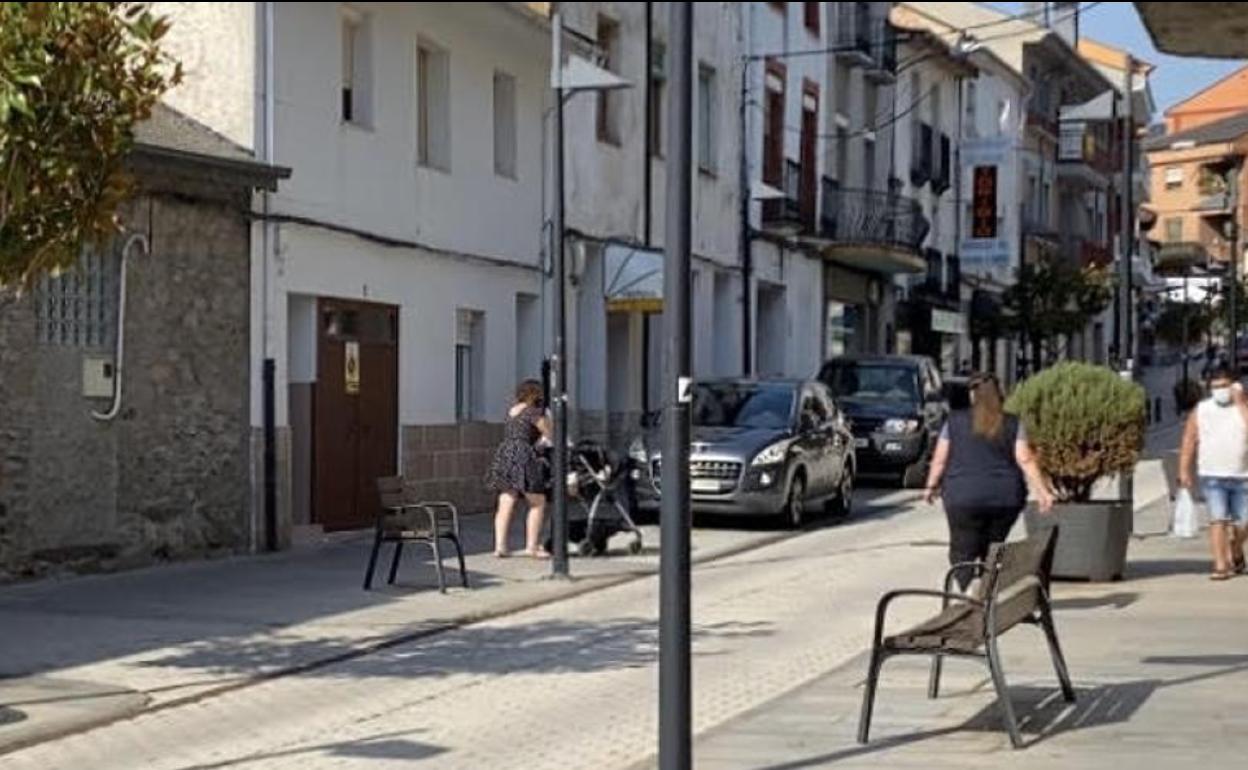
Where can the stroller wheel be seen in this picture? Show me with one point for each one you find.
(635, 547)
(585, 547)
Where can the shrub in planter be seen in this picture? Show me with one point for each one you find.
(1085, 423)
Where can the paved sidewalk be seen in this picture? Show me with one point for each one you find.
(175, 633)
(1159, 663)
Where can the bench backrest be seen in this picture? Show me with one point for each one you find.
(1017, 575)
(391, 491)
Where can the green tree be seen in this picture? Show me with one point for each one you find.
(1169, 327)
(1050, 300)
(74, 80)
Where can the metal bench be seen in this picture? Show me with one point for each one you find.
(402, 519)
(1013, 589)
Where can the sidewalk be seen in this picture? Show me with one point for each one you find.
(83, 651)
(1158, 661)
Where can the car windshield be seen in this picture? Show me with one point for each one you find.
(742, 405)
(873, 382)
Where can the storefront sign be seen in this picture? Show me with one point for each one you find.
(352, 368)
(946, 322)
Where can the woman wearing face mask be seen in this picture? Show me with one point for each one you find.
(981, 468)
(1215, 441)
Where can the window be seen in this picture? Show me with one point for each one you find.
(658, 79)
(469, 365)
(1174, 178)
(708, 114)
(812, 16)
(972, 95)
(1174, 230)
(504, 125)
(528, 337)
(869, 163)
(78, 308)
(1003, 116)
(356, 99)
(842, 85)
(609, 105)
(773, 125)
(842, 154)
(433, 107)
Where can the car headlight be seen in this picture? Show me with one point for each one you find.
(900, 426)
(637, 451)
(773, 454)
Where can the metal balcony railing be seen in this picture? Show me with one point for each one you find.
(871, 217)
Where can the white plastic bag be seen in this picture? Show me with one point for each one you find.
(1184, 523)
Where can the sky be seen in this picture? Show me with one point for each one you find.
(1175, 78)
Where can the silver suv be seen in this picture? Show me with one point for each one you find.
(777, 447)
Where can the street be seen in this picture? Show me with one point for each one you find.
(568, 684)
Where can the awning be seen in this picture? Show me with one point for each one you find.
(634, 279)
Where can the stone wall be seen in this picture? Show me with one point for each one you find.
(170, 477)
(448, 462)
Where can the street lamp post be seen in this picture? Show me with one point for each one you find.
(675, 680)
(566, 80)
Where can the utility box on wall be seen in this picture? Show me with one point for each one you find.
(98, 375)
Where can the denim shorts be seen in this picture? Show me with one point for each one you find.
(1226, 498)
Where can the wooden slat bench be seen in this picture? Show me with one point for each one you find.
(1013, 589)
(403, 519)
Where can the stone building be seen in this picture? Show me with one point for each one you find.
(109, 461)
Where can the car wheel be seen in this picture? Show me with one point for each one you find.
(844, 502)
(795, 506)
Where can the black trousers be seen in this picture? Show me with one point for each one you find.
(972, 529)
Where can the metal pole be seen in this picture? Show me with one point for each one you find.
(1234, 270)
(1126, 484)
(675, 691)
(558, 375)
(747, 239)
(270, 457)
(1186, 346)
(647, 150)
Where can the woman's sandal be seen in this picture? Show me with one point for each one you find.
(540, 554)
(1239, 567)
(502, 554)
(1220, 575)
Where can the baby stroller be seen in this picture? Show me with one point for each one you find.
(602, 486)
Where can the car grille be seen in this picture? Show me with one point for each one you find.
(715, 470)
(865, 426)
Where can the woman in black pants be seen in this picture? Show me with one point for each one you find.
(981, 468)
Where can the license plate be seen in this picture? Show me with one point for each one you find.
(704, 485)
(862, 443)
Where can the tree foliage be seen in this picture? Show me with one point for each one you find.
(1050, 300)
(1085, 423)
(74, 80)
(1169, 324)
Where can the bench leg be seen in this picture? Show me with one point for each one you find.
(394, 563)
(437, 562)
(372, 561)
(868, 695)
(1055, 650)
(1003, 694)
(933, 682)
(459, 551)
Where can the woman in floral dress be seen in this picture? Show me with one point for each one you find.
(519, 471)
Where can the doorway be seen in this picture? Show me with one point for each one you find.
(355, 410)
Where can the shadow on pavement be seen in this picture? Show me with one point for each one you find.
(1118, 601)
(384, 746)
(1159, 568)
(547, 647)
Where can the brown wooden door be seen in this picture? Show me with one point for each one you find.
(355, 433)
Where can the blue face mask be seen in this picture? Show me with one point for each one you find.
(1221, 396)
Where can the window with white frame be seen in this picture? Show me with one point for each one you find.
(78, 307)
(356, 99)
(610, 102)
(469, 365)
(1174, 178)
(433, 106)
(708, 133)
(504, 125)
(972, 97)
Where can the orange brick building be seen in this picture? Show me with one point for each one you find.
(1223, 99)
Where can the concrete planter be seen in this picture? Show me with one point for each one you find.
(1092, 538)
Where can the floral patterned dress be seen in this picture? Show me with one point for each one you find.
(517, 467)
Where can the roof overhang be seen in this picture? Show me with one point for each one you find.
(1214, 30)
(229, 171)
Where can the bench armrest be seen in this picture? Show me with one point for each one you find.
(881, 609)
(431, 508)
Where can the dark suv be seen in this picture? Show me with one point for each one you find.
(896, 406)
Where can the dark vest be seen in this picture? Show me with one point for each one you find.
(980, 472)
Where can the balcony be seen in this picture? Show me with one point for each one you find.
(784, 216)
(921, 156)
(1215, 206)
(942, 281)
(853, 33)
(883, 67)
(871, 217)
